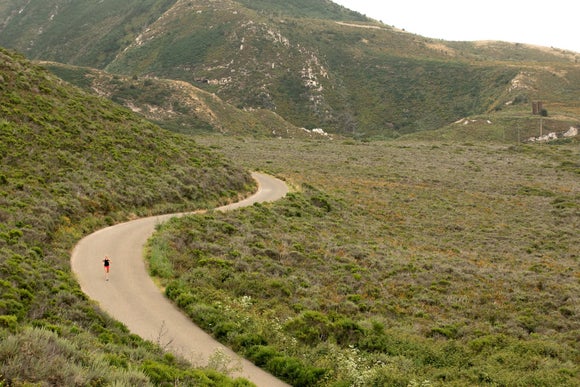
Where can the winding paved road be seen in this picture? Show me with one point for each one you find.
(132, 297)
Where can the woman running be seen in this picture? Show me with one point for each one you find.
(107, 264)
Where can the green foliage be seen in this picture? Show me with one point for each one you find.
(40, 356)
(510, 126)
(159, 265)
(288, 368)
(71, 163)
(109, 24)
(9, 322)
(304, 9)
(392, 263)
(312, 62)
(473, 246)
(165, 374)
(177, 106)
(294, 371)
(310, 327)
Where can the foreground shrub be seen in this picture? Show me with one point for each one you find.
(40, 356)
(165, 375)
(288, 368)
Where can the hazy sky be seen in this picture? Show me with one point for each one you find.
(550, 23)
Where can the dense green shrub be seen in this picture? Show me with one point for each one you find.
(294, 371)
(261, 354)
(290, 369)
(310, 327)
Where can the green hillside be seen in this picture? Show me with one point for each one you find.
(71, 163)
(313, 63)
(317, 9)
(400, 263)
(446, 257)
(87, 33)
(179, 106)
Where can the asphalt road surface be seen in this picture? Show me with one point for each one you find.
(131, 296)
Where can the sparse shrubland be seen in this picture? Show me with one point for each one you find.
(449, 258)
(311, 62)
(71, 163)
(304, 9)
(178, 106)
(513, 126)
(396, 263)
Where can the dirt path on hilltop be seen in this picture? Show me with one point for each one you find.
(132, 297)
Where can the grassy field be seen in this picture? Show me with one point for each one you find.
(391, 263)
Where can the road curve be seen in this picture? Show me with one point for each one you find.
(131, 296)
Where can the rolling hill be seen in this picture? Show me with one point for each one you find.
(392, 263)
(313, 63)
(70, 163)
(178, 105)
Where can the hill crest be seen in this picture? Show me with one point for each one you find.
(315, 64)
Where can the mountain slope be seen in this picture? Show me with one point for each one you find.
(312, 62)
(70, 163)
(178, 105)
(81, 32)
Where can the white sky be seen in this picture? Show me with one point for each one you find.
(550, 23)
